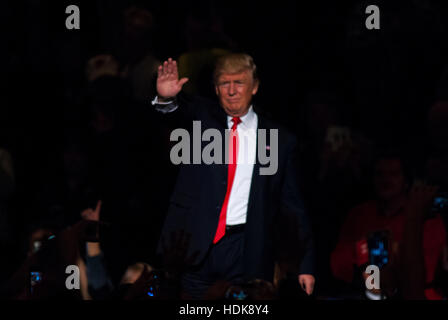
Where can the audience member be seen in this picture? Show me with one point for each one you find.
(413, 238)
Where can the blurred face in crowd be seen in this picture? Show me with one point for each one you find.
(37, 237)
(389, 179)
(235, 92)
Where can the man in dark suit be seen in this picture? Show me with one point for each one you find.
(230, 208)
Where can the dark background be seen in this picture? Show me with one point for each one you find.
(380, 76)
(382, 82)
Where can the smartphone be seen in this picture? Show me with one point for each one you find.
(151, 291)
(440, 203)
(378, 244)
(236, 293)
(35, 278)
(156, 279)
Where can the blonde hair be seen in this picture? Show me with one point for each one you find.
(234, 63)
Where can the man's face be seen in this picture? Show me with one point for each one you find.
(389, 179)
(235, 92)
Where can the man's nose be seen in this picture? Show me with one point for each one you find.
(232, 89)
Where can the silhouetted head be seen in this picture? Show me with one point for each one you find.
(390, 175)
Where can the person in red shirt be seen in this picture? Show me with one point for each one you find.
(416, 238)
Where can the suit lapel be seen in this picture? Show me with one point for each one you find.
(220, 116)
(255, 194)
(255, 219)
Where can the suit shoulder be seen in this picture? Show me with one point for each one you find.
(196, 100)
(284, 133)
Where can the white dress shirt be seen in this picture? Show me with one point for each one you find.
(247, 148)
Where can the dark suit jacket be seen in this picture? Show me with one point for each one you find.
(200, 190)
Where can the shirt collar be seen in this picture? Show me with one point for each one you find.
(247, 121)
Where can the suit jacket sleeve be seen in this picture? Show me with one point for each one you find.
(293, 203)
(182, 110)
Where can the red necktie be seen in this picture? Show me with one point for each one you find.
(231, 169)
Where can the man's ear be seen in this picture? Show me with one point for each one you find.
(216, 90)
(255, 88)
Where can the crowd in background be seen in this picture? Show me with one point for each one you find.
(85, 174)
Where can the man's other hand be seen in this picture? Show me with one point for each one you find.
(307, 283)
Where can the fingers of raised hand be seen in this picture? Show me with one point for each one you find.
(90, 214)
(160, 71)
(167, 68)
(98, 207)
(183, 81)
(172, 67)
(86, 213)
